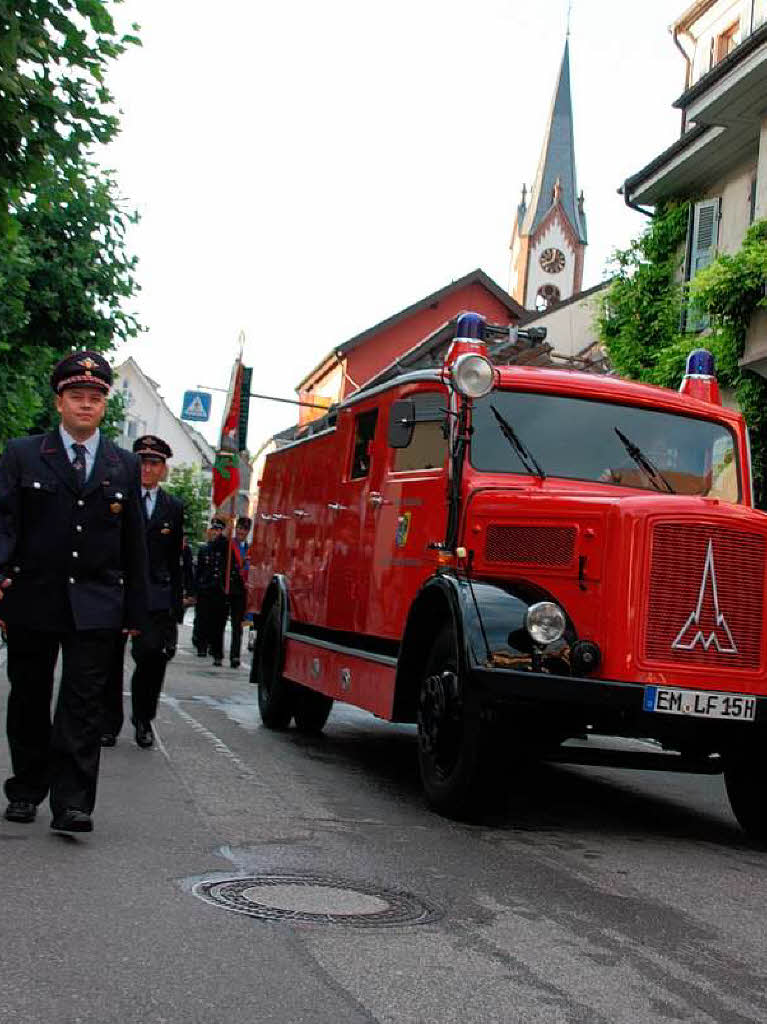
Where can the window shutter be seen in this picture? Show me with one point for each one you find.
(705, 235)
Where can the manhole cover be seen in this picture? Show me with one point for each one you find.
(307, 899)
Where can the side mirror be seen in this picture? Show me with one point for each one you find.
(401, 423)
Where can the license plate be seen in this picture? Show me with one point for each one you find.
(699, 704)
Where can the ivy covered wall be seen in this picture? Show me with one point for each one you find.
(640, 320)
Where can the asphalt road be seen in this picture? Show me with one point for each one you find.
(602, 897)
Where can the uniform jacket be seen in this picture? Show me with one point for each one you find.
(76, 558)
(211, 565)
(212, 562)
(164, 535)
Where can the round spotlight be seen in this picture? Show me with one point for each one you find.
(473, 375)
(545, 622)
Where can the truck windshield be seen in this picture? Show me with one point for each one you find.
(583, 439)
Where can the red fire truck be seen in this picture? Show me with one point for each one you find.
(514, 558)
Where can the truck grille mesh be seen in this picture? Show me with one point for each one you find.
(531, 545)
(706, 596)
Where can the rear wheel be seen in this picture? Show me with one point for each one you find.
(275, 693)
(311, 710)
(452, 737)
(745, 776)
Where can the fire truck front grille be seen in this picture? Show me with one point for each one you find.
(531, 545)
(706, 597)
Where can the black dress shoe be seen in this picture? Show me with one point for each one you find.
(217, 662)
(235, 662)
(72, 820)
(21, 811)
(144, 737)
(108, 739)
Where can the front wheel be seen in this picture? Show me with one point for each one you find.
(275, 693)
(452, 738)
(311, 710)
(745, 775)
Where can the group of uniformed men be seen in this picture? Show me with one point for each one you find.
(92, 553)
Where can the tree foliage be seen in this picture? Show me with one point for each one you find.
(64, 272)
(640, 320)
(188, 484)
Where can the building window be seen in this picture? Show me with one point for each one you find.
(547, 297)
(701, 250)
(752, 202)
(727, 41)
(364, 432)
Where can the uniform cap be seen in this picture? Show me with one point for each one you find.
(82, 370)
(153, 447)
(218, 523)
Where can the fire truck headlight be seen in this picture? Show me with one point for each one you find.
(545, 622)
(473, 375)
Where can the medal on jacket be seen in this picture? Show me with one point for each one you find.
(165, 528)
(115, 507)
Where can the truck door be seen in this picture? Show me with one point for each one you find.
(351, 556)
(407, 511)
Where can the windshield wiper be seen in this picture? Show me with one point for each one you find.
(644, 462)
(526, 457)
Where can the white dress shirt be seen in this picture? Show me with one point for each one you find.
(149, 502)
(91, 447)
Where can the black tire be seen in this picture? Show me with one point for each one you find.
(745, 776)
(453, 740)
(275, 693)
(311, 710)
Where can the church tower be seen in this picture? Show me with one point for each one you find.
(548, 241)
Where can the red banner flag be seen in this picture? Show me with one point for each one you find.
(226, 472)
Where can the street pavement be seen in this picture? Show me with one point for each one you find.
(600, 897)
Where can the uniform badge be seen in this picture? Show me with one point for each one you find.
(403, 528)
(165, 528)
(115, 507)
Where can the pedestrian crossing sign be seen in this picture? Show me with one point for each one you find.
(196, 406)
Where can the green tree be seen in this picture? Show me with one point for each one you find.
(189, 485)
(64, 272)
(640, 322)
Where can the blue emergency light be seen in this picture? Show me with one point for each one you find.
(470, 327)
(701, 363)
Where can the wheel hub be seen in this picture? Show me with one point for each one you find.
(438, 714)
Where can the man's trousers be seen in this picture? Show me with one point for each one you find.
(236, 615)
(212, 609)
(62, 758)
(151, 650)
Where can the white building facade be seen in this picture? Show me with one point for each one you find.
(719, 163)
(146, 412)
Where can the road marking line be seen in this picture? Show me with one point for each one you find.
(211, 737)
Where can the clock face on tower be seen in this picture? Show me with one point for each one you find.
(552, 260)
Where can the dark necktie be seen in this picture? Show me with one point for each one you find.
(78, 464)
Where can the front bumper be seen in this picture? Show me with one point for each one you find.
(602, 701)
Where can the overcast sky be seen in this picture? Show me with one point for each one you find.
(304, 170)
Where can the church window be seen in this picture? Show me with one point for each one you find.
(547, 297)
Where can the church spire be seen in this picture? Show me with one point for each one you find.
(557, 162)
(548, 240)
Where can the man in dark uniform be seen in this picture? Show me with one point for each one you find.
(237, 590)
(73, 567)
(210, 576)
(151, 651)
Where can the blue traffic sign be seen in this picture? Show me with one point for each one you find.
(196, 406)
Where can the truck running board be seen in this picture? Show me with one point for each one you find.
(649, 762)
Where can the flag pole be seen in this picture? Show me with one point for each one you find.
(233, 499)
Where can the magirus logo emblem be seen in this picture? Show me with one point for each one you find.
(714, 631)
